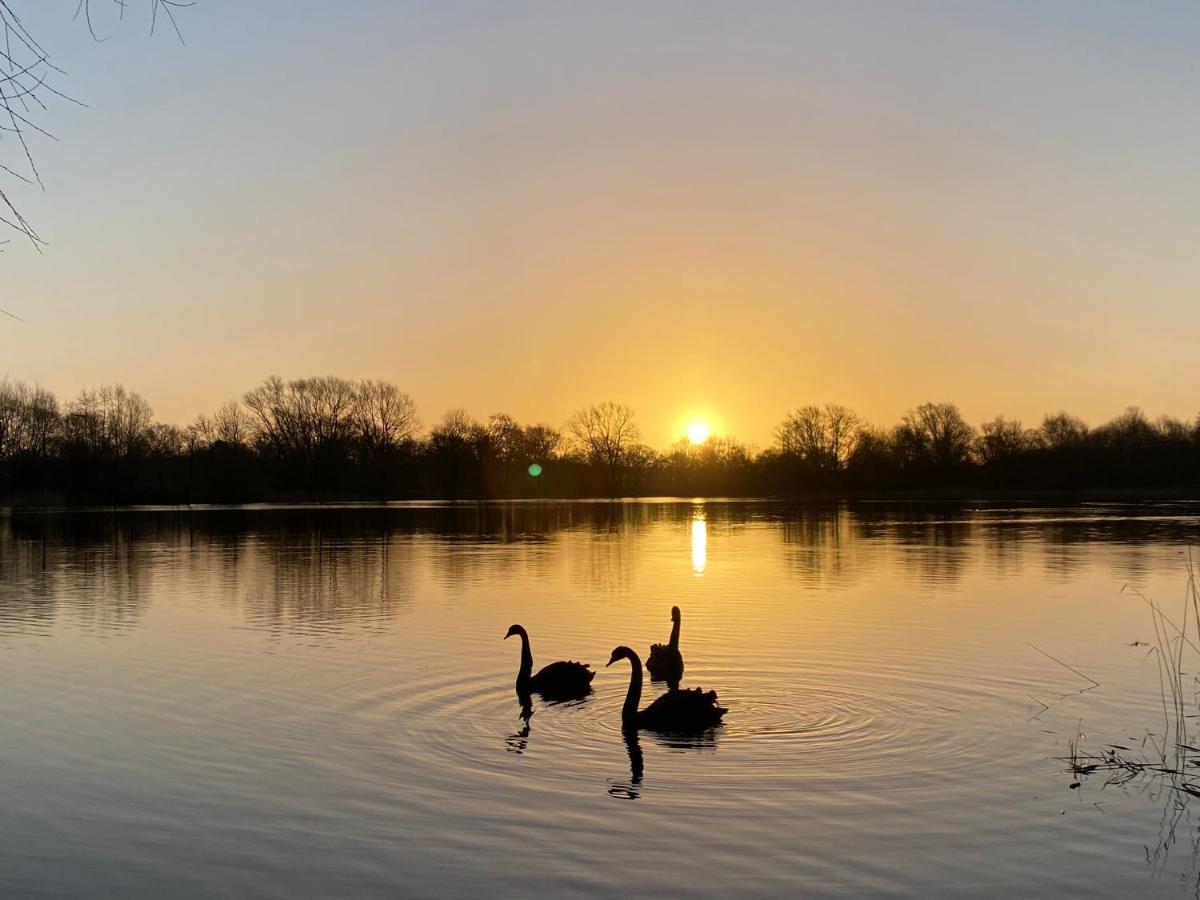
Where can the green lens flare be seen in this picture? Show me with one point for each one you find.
(535, 470)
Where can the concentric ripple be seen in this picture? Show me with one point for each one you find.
(459, 727)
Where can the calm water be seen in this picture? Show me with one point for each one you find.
(319, 702)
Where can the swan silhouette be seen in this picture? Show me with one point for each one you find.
(665, 662)
(563, 680)
(679, 711)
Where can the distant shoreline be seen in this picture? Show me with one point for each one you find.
(958, 496)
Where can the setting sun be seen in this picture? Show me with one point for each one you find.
(698, 432)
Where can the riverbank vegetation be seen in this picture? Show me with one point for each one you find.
(331, 437)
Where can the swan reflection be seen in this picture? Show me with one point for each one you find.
(519, 741)
(637, 769)
(632, 789)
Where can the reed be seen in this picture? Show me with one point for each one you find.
(1174, 754)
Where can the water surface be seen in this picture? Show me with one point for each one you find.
(319, 702)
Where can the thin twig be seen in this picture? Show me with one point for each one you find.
(1064, 665)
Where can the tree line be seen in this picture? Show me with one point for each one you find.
(328, 437)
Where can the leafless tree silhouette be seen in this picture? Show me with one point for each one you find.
(935, 434)
(605, 434)
(822, 437)
(30, 80)
(1001, 440)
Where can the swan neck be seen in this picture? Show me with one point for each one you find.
(526, 670)
(629, 711)
(674, 644)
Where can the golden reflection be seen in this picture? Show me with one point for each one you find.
(699, 541)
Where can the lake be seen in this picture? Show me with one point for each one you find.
(319, 701)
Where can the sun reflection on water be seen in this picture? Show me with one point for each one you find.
(699, 541)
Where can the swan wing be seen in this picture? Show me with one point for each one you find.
(565, 678)
(683, 710)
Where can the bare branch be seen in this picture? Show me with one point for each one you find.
(29, 80)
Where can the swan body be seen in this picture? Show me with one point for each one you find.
(665, 662)
(679, 711)
(563, 680)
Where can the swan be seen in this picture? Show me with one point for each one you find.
(665, 662)
(676, 710)
(557, 681)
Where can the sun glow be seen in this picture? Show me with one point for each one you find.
(698, 431)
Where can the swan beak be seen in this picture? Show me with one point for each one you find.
(612, 659)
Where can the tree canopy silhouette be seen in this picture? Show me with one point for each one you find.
(330, 437)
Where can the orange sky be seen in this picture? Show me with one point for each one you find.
(687, 207)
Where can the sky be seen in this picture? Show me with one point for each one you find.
(716, 210)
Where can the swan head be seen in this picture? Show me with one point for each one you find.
(514, 629)
(674, 613)
(621, 652)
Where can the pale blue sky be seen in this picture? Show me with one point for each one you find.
(734, 208)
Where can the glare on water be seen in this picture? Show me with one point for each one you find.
(320, 702)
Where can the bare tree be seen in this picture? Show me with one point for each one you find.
(935, 434)
(39, 421)
(1128, 429)
(824, 437)
(165, 440)
(30, 80)
(385, 416)
(108, 422)
(199, 434)
(457, 430)
(269, 407)
(604, 433)
(1062, 430)
(27, 417)
(505, 437)
(231, 424)
(801, 435)
(309, 421)
(1001, 440)
(1171, 428)
(842, 428)
(457, 446)
(716, 452)
(541, 442)
(127, 418)
(10, 419)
